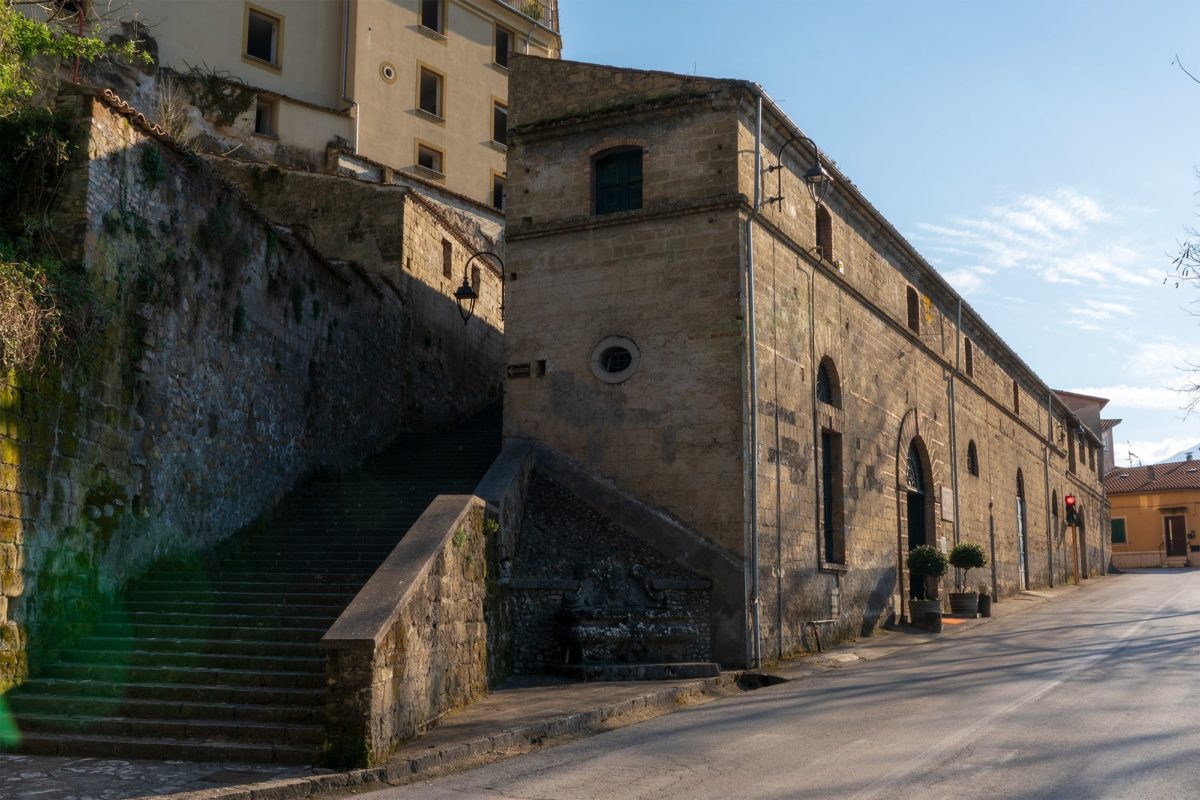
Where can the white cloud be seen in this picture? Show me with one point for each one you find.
(1064, 237)
(1148, 451)
(1161, 398)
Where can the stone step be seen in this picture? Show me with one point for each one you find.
(200, 676)
(279, 618)
(213, 596)
(203, 730)
(169, 692)
(215, 633)
(126, 644)
(313, 663)
(300, 586)
(81, 705)
(97, 746)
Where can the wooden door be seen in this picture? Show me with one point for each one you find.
(1176, 536)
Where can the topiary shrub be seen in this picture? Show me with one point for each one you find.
(968, 556)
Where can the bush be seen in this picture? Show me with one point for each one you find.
(968, 556)
(928, 561)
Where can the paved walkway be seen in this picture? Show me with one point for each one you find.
(524, 714)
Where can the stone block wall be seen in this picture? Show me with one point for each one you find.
(677, 433)
(231, 361)
(412, 646)
(420, 246)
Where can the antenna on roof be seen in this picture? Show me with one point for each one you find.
(1131, 456)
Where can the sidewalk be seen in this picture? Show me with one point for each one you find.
(524, 714)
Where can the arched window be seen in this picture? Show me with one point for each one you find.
(913, 476)
(617, 178)
(972, 459)
(914, 310)
(829, 389)
(824, 234)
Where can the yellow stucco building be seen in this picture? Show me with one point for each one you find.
(417, 85)
(1155, 514)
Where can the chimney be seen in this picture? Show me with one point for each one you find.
(1188, 457)
(1150, 472)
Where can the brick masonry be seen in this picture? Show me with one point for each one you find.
(670, 277)
(234, 361)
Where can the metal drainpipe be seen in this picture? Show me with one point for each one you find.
(954, 420)
(752, 344)
(346, 69)
(1046, 473)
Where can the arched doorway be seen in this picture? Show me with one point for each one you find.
(1022, 534)
(918, 499)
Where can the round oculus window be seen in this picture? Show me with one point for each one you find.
(387, 71)
(615, 359)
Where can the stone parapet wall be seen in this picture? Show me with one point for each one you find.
(412, 646)
(232, 360)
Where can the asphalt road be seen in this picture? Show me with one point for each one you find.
(1096, 695)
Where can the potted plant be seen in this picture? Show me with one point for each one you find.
(926, 565)
(965, 557)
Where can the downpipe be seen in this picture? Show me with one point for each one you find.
(751, 451)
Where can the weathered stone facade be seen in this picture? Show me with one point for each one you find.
(233, 360)
(721, 425)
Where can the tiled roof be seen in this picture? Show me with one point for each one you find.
(1154, 478)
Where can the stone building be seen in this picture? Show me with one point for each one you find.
(788, 383)
(419, 85)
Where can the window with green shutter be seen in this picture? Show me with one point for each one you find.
(1118, 531)
(618, 176)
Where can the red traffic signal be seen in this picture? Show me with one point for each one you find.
(1072, 509)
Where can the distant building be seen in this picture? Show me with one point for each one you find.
(1088, 409)
(417, 85)
(1155, 514)
(788, 381)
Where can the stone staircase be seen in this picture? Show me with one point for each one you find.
(219, 660)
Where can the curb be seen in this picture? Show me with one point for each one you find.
(405, 769)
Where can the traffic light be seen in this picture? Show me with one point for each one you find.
(1072, 509)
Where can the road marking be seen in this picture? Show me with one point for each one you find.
(888, 783)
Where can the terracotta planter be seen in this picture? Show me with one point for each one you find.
(964, 603)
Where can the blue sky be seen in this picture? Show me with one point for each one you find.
(1042, 155)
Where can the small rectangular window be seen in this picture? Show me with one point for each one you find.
(1016, 398)
(504, 39)
(430, 158)
(262, 37)
(1118, 531)
(499, 123)
(498, 196)
(432, 16)
(969, 354)
(618, 181)
(475, 281)
(824, 234)
(447, 259)
(430, 92)
(914, 310)
(264, 116)
(831, 498)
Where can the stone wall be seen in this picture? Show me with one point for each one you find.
(412, 646)
(232, 360)
(563, 542)
(670, 276)
(420, 246)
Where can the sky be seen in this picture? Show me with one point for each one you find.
(1041, 155)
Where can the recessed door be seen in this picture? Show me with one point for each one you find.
(1176, 536)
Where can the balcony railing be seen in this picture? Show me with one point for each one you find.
(544, 11)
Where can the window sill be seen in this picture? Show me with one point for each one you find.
(500, 68)
(270, 137)
(838, 568)
(498, 147)
(429, 173)
(258, 62)
(430, 116)
(437, 36)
